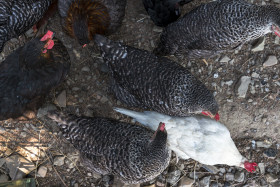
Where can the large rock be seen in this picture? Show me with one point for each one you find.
(242, 86)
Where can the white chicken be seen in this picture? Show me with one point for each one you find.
(199, 138)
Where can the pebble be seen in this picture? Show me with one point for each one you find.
(239, 176)
(205, 182)
(75, 88)
(42, 171)
(271, 61)
(186, 182)
(222, 170)
(60, 100)
(263, 144)
(4, 178)
(229, 177)
(173, 177)
(23, 134)
(243, 86)
(261, 167)
(255, 75)
(216, 75)
(225, 59)
(270, 152)
(86, 69)
(59, 160)
(270, 178)
(259, 45)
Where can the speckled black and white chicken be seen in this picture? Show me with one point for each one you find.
(82, 19)
(132, 153)
(196, 137)
(17, 16)
(141, 79)
(29, 74)
(163, 12)
(218, 26)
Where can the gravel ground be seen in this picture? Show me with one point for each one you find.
(245, 83)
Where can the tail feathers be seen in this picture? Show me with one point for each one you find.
(110, 49)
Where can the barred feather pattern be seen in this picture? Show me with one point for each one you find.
(215, 27)
(27, 75)
(141, 79)
(110, 147)
(17, 16)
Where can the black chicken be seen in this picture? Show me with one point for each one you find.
(141, 79)
(109, 147)
(17, 16)
(163, 12)
(82, 19)
(29, 73)
(218, 26)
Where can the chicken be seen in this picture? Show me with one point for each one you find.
(217, 26)
(83, 19)
(163, 12)
(29, 73)
(131, 152)
(141, 79)
(17, 16)
(199, 138)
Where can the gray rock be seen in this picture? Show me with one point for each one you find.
(225, 59)
(19, 167)
(270, 152)
(59, 160)
(259, 45)
(4, 178)
(271, 61)
(186, 182)
(239, 176)
(229, 177)
(85, 69)
(270, 178)
(60, 100)
(262, 168)
(42, 171)
(222, 170)
(44, 110)
(173, 177)
(205, 182)
(263, 144)
(243, 85)
(255, 75)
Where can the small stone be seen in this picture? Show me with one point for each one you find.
(75, 88)
(61, 99)
(186, 182)
(239, 176)
(42, 171)
(157, 29)
(271, 61)
(222, 170)
(258, 45)
(271, 178)
(262, 168)
(205, 182)
(173, 177)
(225, 59)
(243, 86)
(59, 160)
(4, 178)
(216, 75)
(85, 69)
(23, 134)
(263, 144)
(255, 75)
(270, 152)
(229, 177)
(229, 83)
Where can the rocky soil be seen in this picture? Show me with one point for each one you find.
(245, 82)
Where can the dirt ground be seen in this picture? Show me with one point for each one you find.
(254, 117)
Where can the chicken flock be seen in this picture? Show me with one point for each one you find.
(181, 111)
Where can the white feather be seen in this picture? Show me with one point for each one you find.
(199, 138)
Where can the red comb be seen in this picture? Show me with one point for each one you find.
(162, 126)
(217, 117)
(48, 45)
(48, 35)
(276, 30)
(250, 166)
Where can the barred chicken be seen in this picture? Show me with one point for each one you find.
(29, 74)
(218, 26)
(163, 12)
(17, 16)
(199, 138)
(141, 79)
(132, 153)
(82, 19)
